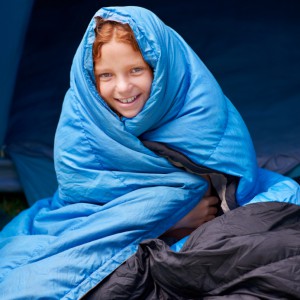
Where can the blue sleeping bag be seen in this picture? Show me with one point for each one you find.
(114, 192)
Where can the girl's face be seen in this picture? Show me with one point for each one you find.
(123, 78)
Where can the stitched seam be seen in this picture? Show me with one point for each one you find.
(225, 128)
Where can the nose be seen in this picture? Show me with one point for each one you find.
(123, 84)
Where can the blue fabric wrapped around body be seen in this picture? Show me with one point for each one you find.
(113, 191)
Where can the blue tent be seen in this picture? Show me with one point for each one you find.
(251, 48)
(36, 57)
(9, 62)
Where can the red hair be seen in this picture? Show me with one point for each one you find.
(107, 30)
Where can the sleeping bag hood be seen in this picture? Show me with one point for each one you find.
(114, 189)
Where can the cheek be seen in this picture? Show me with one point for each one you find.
(103, 89)
(148, 84)
(98, 86)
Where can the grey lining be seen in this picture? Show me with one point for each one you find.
(224, 184)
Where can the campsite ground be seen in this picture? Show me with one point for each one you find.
(11, 204)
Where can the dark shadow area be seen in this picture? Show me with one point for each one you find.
(11, 204)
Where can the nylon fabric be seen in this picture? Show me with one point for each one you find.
(113, 191)
(250, 252)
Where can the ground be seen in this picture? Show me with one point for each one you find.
(11, 204)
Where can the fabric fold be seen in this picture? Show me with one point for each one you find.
(113, 191)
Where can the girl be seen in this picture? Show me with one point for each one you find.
(145, 132)
(123, 80)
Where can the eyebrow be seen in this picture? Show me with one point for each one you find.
(99, 70)
(140, 63)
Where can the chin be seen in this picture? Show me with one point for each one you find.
(130, 115)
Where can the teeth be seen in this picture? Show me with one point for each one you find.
(128, 100)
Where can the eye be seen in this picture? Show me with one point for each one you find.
(137, 70)
(105, 76)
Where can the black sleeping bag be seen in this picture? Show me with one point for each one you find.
(251, 252)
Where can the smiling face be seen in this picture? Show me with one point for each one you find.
(123, 78)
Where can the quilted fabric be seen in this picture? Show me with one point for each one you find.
(113, 191)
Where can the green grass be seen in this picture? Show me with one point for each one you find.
(11, 204)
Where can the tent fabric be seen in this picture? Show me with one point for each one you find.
(14, 23)
(113, 191)
(40, 85)
(251, 48)
(16, 20)
(8, 177)
(29, 166)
